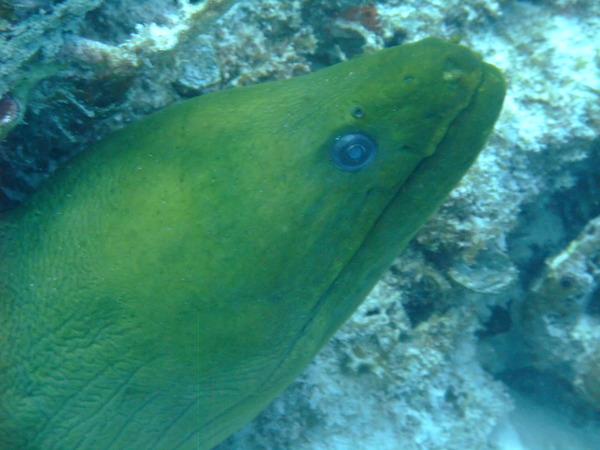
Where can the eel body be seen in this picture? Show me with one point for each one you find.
(163, 286)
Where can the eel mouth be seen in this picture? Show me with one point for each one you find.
(415, 200)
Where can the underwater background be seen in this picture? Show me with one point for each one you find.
(485, 333)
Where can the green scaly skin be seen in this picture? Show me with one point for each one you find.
(166, 284)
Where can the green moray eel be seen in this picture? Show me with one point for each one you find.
(166, 284)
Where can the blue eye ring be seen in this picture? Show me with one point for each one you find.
(353, 151)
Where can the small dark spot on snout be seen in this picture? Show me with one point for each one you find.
(358, 112)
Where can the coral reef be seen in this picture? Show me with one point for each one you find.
(560, 319)
(496, 298)
(11, 113)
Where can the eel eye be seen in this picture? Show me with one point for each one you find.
(353, 151)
